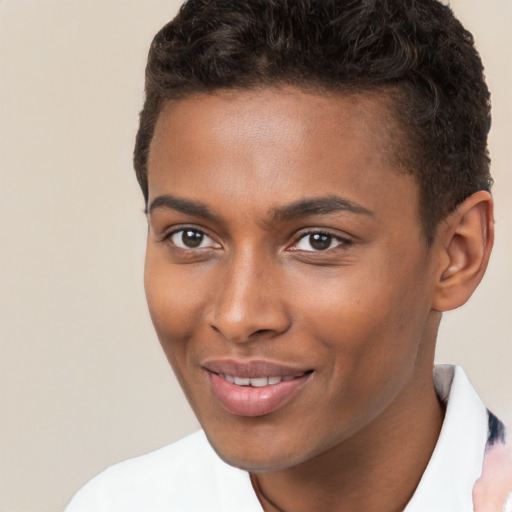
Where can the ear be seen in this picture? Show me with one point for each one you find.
(464, 241)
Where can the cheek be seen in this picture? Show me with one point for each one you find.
(370, 318)
(173, 298)
(370, 347)
(174, 305)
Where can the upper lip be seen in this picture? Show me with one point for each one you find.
(253, 368)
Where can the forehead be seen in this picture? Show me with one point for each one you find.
(277, 145)
(273, 116)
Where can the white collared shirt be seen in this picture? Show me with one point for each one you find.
(188, 476)
(456, 464)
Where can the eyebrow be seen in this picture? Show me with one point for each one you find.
(297, 209)
(181, 205)
(318, 206)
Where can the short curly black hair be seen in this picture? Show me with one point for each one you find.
(414, 50)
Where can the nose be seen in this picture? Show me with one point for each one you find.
(248, 303)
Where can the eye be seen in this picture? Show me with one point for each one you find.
(188, 238)
(319, 242)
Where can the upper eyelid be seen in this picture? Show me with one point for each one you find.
(323, 231)
(176, 229)
(343, 240)
(166, 236)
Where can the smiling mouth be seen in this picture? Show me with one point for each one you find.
(256, 388)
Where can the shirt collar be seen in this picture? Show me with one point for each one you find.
(456, 463)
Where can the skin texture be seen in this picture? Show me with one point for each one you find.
(361, 312)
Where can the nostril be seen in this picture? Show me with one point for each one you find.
(236, 336)
(260, 332)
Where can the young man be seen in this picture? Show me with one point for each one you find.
(317, 187)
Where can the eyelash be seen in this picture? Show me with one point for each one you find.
(293, 247)
(332, 237)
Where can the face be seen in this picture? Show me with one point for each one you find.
(287, 274)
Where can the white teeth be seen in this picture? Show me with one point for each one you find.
(242, 381)
(259, 382)
(256, 382)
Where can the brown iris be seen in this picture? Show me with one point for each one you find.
(320, 241)
(192, 238)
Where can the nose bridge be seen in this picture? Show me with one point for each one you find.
(247, 301)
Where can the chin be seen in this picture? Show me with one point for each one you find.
(255, 458)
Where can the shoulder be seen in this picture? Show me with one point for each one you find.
(186, 476)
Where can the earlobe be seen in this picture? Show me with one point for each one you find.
(465, 240)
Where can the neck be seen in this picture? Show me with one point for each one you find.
(376, 470)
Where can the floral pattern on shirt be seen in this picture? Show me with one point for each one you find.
(493, 490)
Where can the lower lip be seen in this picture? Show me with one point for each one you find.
(253, 401)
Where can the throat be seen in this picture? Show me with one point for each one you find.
(375, 471)
(266, 503)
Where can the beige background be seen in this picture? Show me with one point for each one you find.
(83, 380)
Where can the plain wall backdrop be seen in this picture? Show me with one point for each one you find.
(83, 380)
